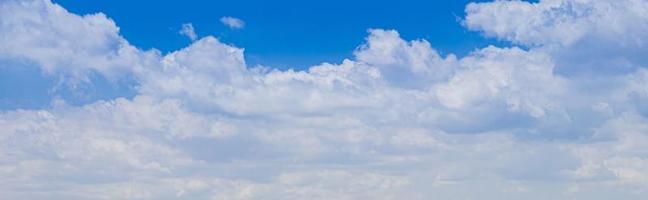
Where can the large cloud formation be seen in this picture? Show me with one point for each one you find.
(560, 115)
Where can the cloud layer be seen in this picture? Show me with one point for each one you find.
(549, 118)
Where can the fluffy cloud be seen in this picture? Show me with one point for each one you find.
(412, 64)
(523, 80)
(398, 120)
(47, 35)
(582, 35)
(561, 21)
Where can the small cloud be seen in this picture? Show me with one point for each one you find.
(188, 30)
(232, 22)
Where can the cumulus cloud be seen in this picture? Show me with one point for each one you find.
(397, 120)
(188, 30)
(58, 41)
(583, 36)
(561, 22)
(232, 22)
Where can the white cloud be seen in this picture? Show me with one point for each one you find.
(406, 64)
(232, 22)
(561, 21)
(607, 36)
(398, 120)
(188, 30)
(523, 80)
(61, 42)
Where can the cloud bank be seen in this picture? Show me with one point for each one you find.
(560, 115)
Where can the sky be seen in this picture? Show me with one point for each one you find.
(324, 100)
(287, 33)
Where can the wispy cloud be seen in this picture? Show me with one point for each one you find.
(188, 30)
(232, 22)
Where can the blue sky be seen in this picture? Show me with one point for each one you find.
(288, 33)
(278, 34)
(324, 100)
